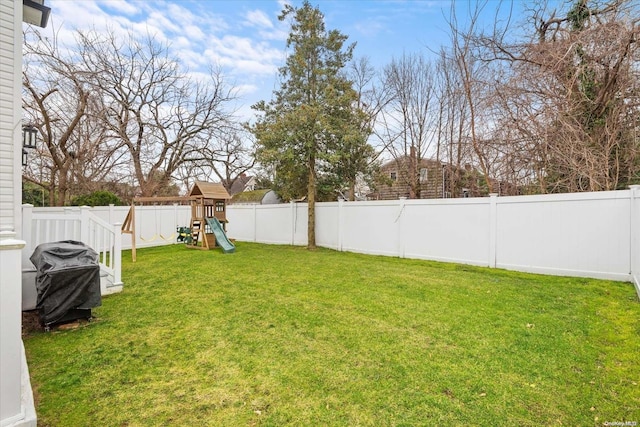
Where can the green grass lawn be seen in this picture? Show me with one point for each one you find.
(279, 335)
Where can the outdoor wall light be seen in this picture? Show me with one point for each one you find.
(29, 136)
(34, 12)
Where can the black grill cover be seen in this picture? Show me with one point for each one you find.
(67, 278)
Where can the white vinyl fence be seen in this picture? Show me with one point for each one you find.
(584, 234)
(155, 225)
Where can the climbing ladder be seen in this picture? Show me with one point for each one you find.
(197, 228)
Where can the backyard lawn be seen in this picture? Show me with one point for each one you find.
(279, 335)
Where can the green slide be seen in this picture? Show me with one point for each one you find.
(221, 238)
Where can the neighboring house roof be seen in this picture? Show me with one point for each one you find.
(402, 161)
(241, 183)
(210, 190)
(256, 197)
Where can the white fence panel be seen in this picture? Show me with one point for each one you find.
(105, 213)
(49, 225)
(454, 230)
(242, 223)
(583, 234)
(274, 224)
(54, 224)
(635, 236)
(156, 225)
(300, 223)
(371, 227)
(328, 214)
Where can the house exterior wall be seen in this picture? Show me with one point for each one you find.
(396, 178)
(250, 185)
(9, 246)
(10, 114)
(16, 397)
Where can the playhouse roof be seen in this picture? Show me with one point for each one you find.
(210, 190)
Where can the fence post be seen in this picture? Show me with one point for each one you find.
(84, 225)
(111, 213)
(400, 228)
(255, 223)
(634, 238)
(10, 339)
(493, 228)
(52, 228)
(340, 227)
(27, 230)
(175, 224)
(117, 254)
(293, 222)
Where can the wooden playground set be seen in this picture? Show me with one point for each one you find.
(207, 228)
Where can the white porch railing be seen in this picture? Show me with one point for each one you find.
(81, 225)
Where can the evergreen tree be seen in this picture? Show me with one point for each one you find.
(312, 124)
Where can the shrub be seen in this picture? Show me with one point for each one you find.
(97, 198)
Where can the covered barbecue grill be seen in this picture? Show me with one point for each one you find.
(67, 281)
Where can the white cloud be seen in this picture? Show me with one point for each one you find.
(192, 60)
(122, 6)
(194, 32)
(245, 89)
(258, 18)
(181, 42)
(247, 45)
(371, 27)
(244, 55)
(276, 34)
(244, 112)
(167, 23)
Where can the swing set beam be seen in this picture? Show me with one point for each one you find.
(169, 199)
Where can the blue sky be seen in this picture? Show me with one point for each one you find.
(246, 39)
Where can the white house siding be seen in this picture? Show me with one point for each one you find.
(10, 113)
(16, 398)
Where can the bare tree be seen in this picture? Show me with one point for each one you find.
(571, 102)
(471, 71)
(358, 162)
(408, 123)
(452, 147)
(59, 101)
(100, 158)
(162, 116)
(374, 95)
(230, 155)
(227, 156)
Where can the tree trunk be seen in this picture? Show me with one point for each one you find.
(311, 192)
(63, 188)
(52, 189)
